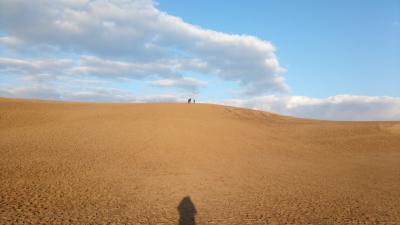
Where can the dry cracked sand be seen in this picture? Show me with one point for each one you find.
(170, 163)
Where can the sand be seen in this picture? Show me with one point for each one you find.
(170, 163)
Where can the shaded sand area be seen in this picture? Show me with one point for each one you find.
(81, 163)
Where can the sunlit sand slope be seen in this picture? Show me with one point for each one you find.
(81, 163)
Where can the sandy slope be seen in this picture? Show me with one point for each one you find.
(78, 163)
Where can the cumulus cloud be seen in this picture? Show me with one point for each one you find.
(339, 107)
(136, 32)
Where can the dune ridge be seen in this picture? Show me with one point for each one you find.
(91, 163)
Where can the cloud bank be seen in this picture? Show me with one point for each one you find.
(135, 39)
(339, 107)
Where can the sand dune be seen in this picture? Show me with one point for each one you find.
(81, 163)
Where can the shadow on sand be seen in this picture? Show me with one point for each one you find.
(187, 212)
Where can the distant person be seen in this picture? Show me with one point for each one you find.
(194, 101)
(189, 100)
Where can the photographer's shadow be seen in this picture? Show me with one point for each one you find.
(187, 212)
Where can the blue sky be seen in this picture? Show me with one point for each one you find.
(317, 59)
(328, 47)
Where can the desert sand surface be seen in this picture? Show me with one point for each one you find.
(175, 163)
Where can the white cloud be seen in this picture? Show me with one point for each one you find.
(92, 94)
(10, 41)
(136, 32)
(187, 83)
(100, 95)
(36, 91)
(111, 68)
(339, 107)
(114, 68)
(51, 68)
(95, 66)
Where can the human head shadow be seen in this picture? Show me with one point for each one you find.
(187, 212)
